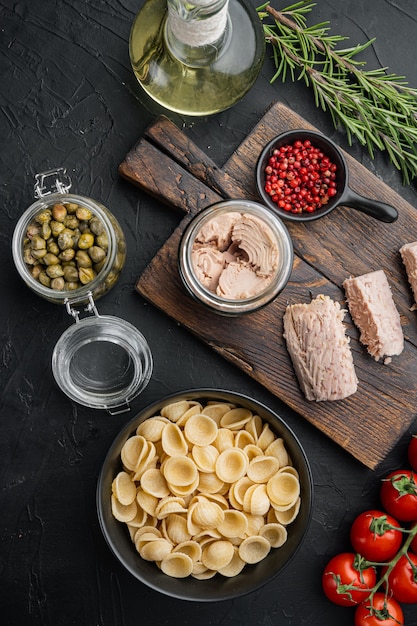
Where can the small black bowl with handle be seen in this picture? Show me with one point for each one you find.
(345, 196)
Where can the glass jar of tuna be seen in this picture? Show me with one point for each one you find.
(67, 246)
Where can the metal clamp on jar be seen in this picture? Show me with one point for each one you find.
(70, 250)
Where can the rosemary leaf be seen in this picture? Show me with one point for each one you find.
(376, 107)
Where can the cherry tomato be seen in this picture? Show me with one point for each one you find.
(373, 536)
(383, 612)
(402, 581)
(344, 580)
(399, 495)
(412, 452)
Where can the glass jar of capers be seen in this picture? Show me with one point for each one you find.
(66, 246)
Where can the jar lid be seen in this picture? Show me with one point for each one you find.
(102, 362)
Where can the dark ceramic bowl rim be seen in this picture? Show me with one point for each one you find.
(345, 194)
(218, 588)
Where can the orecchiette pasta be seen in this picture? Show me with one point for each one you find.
(205, 489)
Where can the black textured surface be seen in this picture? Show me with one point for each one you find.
(69, 98)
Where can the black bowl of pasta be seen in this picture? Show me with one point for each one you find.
(206, 495)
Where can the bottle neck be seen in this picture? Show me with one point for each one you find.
(197, 32)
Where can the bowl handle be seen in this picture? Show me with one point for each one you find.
(379, 210)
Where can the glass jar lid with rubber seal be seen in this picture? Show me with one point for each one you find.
(70, 250)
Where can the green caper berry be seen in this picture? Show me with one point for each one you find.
(69, 263)
(38, 242)
(85, 241)
(67, 255)
(44, 279)
(52, 247)
(102, 241)
(69, 286)
(44, 216)
(96, 226)
(96, 254)
(35, 271)
(83, 213)
(59, 212)
(39, 254)
(99, 266)
(70, 274)
(28, 257)
(46, 230)
(86, 274)
(50, 259)
(32, 229)
(71, 221)
(71, 207)
(84, 227)
(58, 284)
(65, 240)
(82, 259)
(54, 271)
(57, 228)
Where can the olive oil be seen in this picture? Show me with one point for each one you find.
(188, 69)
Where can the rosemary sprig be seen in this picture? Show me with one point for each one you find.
(376, 107)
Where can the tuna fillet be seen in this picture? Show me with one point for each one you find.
(409, 256)
(373, 311)
(319, 349)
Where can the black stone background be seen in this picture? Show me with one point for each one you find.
(68, 98)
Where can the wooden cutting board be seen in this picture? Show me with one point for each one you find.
(167, 165)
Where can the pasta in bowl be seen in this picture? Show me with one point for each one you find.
(205, 495)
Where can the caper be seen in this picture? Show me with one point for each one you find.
(35, 271)
(71, 286)
(39, 254)
(59, 212)
(70, 274)
(96, 254)
(102, 241)
(50, 259)
(65, 240)
(57, 228)
(118, 262)
(111, 279)
(99, 266)
(82, 259)
(71, 207)
(38, 242)
(83, 213)
(86, 275)
(84, 227)
(67, 255)
(28, 257)
(69, 263)
(96, 226)
(54, 271)
(85, 241)
(33, 229)
(46, 230)
(53, 247)
(58, 284)
(44, 216)
(71, 221)
(44, 279)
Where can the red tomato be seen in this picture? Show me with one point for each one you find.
(383, 612)
(345, 582)
(399, 495)
(402, 581)
(373, 536)
(412, 452)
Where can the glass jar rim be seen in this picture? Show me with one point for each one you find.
(230, 306)
(20, 232)
(110, 330)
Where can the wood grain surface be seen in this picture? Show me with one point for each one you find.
(345, 242)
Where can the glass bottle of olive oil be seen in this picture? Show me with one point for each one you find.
(197, 57)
